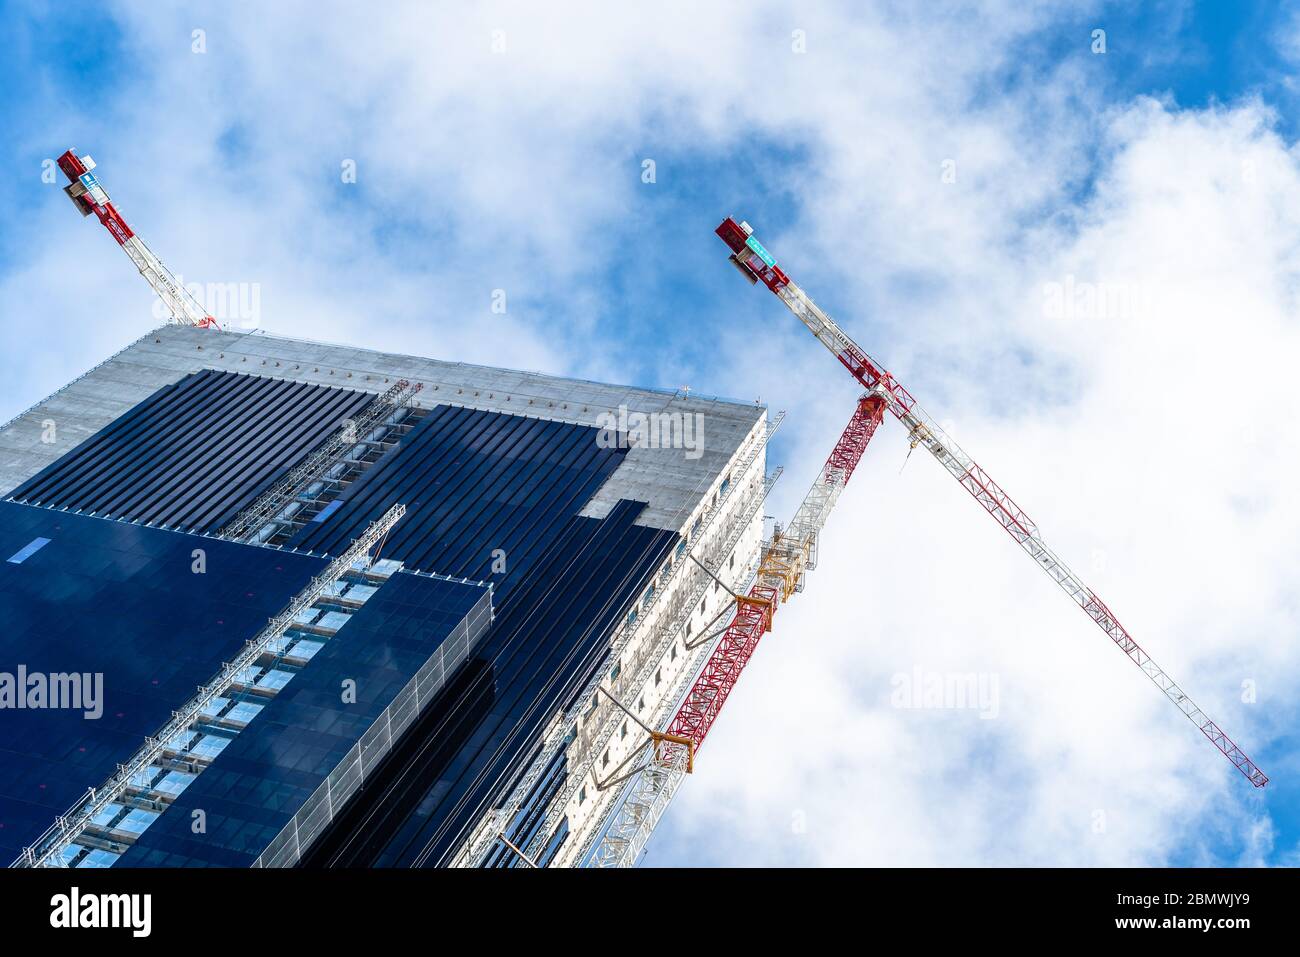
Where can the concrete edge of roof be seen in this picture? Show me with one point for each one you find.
(71, 382)
(165, 363)
(263, 335)
(656, 390)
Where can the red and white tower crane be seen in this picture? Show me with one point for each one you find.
(786, 558)
(89, 197)
(757, 264)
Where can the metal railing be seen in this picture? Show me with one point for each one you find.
(287, 847)
(601, 727)
(67, 826)
(272, 504)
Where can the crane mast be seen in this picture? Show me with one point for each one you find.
(89, 197)
(791, 553)
(757, 264)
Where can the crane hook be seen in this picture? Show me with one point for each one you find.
(913, 440)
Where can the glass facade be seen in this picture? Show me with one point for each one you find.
(266, 794)
(494, 497)
(485, 494)
(448, 706)
(551, 635)
(195, 453)
(125, 603)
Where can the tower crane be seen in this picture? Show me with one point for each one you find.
(785, 560)
(89, 197)
(756, 264)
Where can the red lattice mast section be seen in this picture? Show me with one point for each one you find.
(780, 573)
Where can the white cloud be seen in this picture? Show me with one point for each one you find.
(1152, 446)
(477, 170)
(1163, 477)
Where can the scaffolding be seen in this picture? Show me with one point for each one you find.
(678, 591)
(790, 554)
(311, 486)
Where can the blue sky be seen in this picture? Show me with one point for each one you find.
(522, 171)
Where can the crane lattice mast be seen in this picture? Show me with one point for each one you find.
(791, 553)
(757, 264)
(89, 197)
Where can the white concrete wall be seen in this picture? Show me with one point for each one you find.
(655, 666)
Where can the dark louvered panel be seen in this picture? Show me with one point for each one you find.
(122, 602)
(549, 638)
(474, 483)
(549, 642)
(195, 453)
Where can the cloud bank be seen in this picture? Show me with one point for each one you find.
(1096, 293)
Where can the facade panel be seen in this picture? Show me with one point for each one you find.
(122, 602)
(485, 493)
(195, 453)
(314, 729)
(550, 637)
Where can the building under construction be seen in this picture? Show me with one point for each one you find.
(272, 602)
(450, 691)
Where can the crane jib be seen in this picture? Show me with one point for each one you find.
(991, 496)
(89, 195)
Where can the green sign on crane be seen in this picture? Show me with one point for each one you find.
(763, 254)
